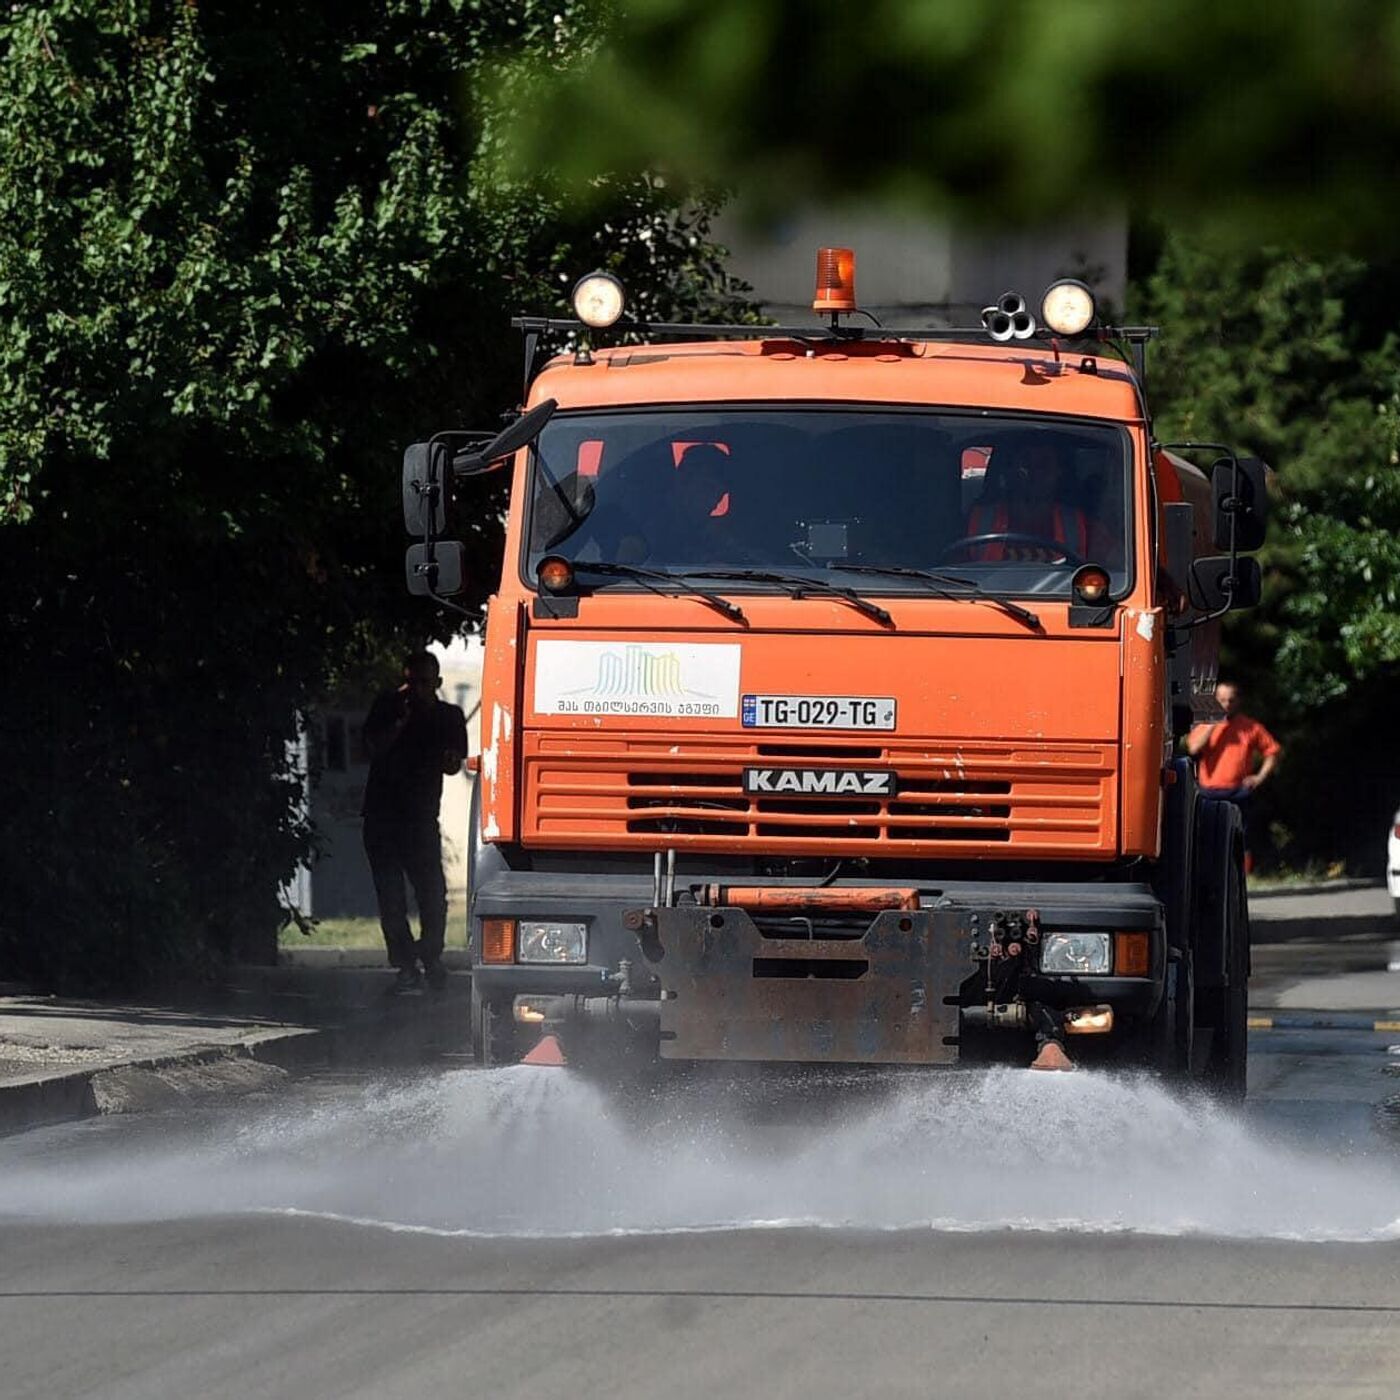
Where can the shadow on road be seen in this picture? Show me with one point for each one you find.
(1333, 929)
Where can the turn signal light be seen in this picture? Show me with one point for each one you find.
(1090, 584)
(1130, 955)
(836, 280)
(556, 574)
(498, 940)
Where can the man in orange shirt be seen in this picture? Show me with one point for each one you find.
(1225, 752)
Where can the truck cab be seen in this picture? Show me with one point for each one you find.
(829, 700)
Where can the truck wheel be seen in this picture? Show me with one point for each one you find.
(1226, 1071)
(494, 1037)
(1174, 1025)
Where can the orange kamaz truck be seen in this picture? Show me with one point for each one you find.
(831, 689)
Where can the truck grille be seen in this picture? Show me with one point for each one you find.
(1008, 800)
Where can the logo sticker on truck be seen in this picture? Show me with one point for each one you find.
(819, 782)
(673, 680)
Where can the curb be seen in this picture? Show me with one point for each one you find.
(39, 1100)
(402, 1034)
(1323, 1021)
(320, 956)
(1315, 887)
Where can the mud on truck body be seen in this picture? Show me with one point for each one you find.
(800, 743)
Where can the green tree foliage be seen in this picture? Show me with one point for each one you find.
(247, 252)
(1007, 110)
(1293, 359)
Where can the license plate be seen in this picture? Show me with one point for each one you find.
(817, 712)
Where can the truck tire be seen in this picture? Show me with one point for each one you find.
(1226, 1071)
(1166, 1045)
(495, 1038)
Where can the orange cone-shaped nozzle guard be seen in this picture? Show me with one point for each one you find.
(547, 1052)
(836, 280)
(1052, 1056)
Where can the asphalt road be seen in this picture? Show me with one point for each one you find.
(514, 1233)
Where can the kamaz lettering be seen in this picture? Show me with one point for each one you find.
(819, 782)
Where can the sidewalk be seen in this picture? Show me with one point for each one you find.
(64, 1059)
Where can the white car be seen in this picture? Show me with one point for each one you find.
(1392, 862)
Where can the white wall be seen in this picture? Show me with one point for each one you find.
(917, 271)
(339, 884)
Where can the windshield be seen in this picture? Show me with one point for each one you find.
(1010, 505)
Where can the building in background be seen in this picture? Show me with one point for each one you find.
(918, 272)
(336, 884)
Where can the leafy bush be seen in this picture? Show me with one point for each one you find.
(247, 252)
(1292, 357)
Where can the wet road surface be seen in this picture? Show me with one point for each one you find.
(517, 1232)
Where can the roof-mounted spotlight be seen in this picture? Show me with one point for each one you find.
(1009, 319)
(1067, 307)
(597, 299)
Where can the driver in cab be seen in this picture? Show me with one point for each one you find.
(701, 526)
(1023, 507)
(661, 516)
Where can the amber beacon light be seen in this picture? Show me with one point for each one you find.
(836, 280)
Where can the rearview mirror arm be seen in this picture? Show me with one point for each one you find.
(454, 607)
(520, 432)
(1193, 622)
(433, 486)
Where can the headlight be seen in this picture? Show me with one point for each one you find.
(552, 942)
(1075, 952)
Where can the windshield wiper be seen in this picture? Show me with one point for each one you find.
(651, 578)
(797, 585)
(938, 583)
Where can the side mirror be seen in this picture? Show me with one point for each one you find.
(509, 440)
(435, 568)
(1217, 584)
(1247, 506)
(425, 488)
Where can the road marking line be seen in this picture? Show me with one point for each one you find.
(1316, 1023)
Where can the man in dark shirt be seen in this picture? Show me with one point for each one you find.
(413, 739)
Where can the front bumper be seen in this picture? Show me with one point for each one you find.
(732, 990)
(732, 994)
